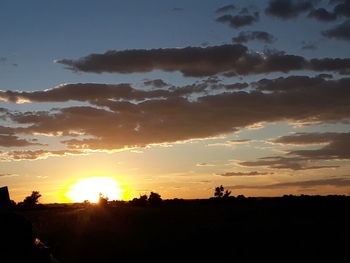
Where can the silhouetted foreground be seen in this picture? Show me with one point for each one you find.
(286, 229)
(17, 242)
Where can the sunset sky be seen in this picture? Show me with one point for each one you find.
(175, 97)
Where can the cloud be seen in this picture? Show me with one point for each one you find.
(300, 83)
(325, 76)
(322, 14)
(204, 164)
(5, 175)
(342, 8)
(202, 61)
(336, 147)
(340, 65)
(230, 143)
(310, 138)
(335, 182)
(286, 9)
(246, 36)
(255, 173)
(108, 94)
(225, 9)
(191, 61)
(157, 83)
(239, 141)
(238, 20)
(35, 154)
(9, 139)
(15, 141)
(81, 92)
(341, 31)
(280, 162)
(109, 123)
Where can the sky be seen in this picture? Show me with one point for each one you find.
(175, 97)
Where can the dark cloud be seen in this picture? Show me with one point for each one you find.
(286, 9)
(202, 61)
(157, 83)
(14, 141)
(239, 20)
(336, 182)
(325, 76)
(191, 61)
(239, 141)
(246, 36)
(236, 86)
(342, 8)
(341, 31)
(340, 65)
(177, 117)
(310, 138)
(225, 9)
(9, 139)
(337, 147)
(301, 84)
(322, 14)
(280, 162)
(36, 154)
(255, 173)
(83, 92)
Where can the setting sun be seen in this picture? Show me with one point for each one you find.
(90, 189)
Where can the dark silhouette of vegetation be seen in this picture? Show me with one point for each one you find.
(227, 194)
(141, 201)
(31, 200)
(316, 227)
(17, 241)
(221, 193)
(103, 200)
(154, 199)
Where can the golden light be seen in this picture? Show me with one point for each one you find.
(91, 188)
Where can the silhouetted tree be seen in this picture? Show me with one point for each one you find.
(227, 194)
(32, 200)
(103, 200)
(241, 197)
(154, 199)
(219, 191)
(142, 201)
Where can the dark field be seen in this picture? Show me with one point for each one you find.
(288, 229)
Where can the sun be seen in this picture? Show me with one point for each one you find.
(90, 189)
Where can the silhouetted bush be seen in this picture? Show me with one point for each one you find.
(31, 200)
(142, 201)
(103, 200)
(154, 199)
(219, 191)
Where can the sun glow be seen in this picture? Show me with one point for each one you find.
(90, 189)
